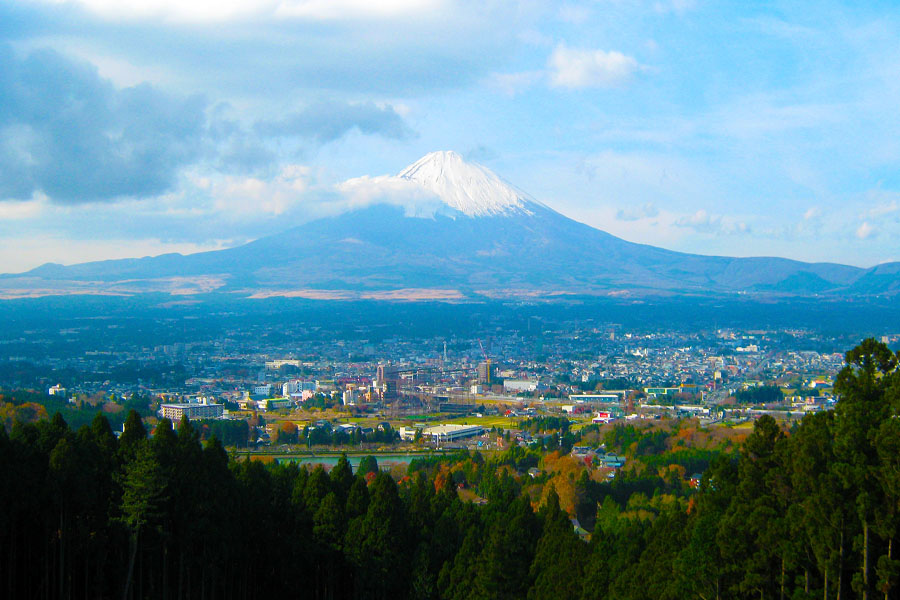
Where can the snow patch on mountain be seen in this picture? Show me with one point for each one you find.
(440, 183)
(467, 187)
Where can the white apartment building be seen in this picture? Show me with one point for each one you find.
(174, 412)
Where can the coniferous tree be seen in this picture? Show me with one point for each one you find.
(504, 564)
(378, 543)
(858, 418)
(557, 569)
(144, 494)
(342, 478)
(133, 433)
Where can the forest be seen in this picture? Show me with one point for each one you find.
(808, 512)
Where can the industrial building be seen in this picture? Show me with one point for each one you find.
(608, 397)
(449, 433)
(520, 385)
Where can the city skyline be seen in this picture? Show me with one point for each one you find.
(134, 129)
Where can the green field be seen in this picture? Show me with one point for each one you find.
(486, 422)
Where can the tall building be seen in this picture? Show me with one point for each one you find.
(387, 382)
(485, 373)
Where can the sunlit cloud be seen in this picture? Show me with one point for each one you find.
(864, 231)
(580, 68)
(203, 11)
(415, 200)
(251, 197)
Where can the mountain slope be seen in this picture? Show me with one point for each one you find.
(489, 238)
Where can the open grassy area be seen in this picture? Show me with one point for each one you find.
(487, 422)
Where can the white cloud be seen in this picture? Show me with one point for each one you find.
(194, 11)
(812, 213)
(415, 200)
(704, 222)
(246, 197)
(864, 231)
(700, 219)
(343, 9)
(202, 11)
(122, 71)
(13, 210)
(883, 209)
(580, 68)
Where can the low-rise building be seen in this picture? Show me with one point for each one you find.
(451, 432)
(407, 434)
(192, 410)
(297, 386)
(520, 385)
(262, 390)
(274, 365)
(267, 404)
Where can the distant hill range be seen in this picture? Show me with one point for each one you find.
(452, 230)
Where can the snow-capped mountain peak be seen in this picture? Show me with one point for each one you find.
(467, 187)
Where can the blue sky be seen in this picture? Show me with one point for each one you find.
(136, 127)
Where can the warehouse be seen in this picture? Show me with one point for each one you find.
(449, 433)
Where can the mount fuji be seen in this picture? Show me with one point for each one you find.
(444, 228)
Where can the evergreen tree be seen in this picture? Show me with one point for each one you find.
(144, 493)
(858, 417)
(750, 528)
(378, 544)
(368, 464)
(504, 564)
(133, 434)
(357, 499)
(557, 569)
(342, 478)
